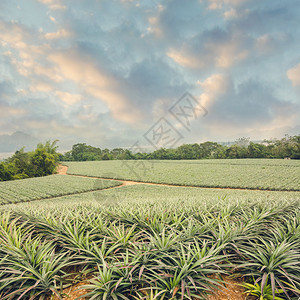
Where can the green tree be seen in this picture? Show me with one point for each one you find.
(42, 162)
(50, 147)
(256, 150)
(106, 156)
(219, 152)
(7, 171)
(208, 149)
(295, 147)
(236, 151)
(188, 151)
(21, 161)
(78, 150)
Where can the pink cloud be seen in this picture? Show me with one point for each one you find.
(294, 75)
(97, 83)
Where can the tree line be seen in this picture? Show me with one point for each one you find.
(40, 162)
(43, 160)
(287, 147)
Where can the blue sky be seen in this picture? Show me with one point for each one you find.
(104, 71)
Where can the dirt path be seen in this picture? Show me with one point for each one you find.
(62, 170)
(232, 290)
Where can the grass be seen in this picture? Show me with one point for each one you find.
(264, 174)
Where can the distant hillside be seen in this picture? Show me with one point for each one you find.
(11, 143)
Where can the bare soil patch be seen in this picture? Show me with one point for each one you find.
(62, 170)
(72, 292)
(231, 291)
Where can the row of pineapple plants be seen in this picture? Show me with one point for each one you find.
(151, 251)
(207, 173)
(47, 187)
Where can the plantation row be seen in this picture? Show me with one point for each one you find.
(150, 247)
(47, 187)
(183, 197)
(245, 161)
(263, 176)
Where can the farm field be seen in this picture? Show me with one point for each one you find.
(47, 187)
(150, 241)
(142, 194)
(124, 248)
(264, 174)
(150, 150)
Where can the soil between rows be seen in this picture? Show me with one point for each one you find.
(231, 291)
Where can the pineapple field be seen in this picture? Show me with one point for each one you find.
(47, 187)
(93, 238)
(263, 174)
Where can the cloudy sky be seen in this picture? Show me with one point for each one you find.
(106, 72)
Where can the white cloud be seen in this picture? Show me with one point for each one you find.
(12, 34)
(53, 4)
(263, 43)
(154, 27)
(223, 52)
(219, 4)
(96, 82)
(229, 54)
(68, 98)
(294, 75)
(61, 33)
(184, 59)
(213, 87)
(7, 112)
(39, 86)
(216, 84)
(231, 14)
(52, 19)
